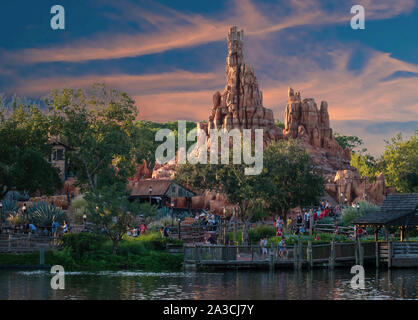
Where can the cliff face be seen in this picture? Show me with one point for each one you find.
(240, 105)
(304, 121)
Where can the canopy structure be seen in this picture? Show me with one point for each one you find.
(398, 210)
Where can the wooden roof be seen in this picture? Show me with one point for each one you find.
(141, 188)
(160, 187)
(399, 208)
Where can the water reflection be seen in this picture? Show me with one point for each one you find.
(313, 284)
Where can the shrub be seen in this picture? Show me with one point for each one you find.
(42, 214)
(9, 207)
(350, 213)
(260, 232)
(82, 242)
(78, 208)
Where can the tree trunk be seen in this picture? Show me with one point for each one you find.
(115, 245)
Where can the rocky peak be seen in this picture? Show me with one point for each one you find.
(240, 105)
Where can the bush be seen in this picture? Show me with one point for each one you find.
(79, 243)
(78, 208)
(350, 213)
(42, 214)
(254, 235)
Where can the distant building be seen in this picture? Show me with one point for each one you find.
(58, 157)
(161, 192)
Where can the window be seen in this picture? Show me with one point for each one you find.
(58, 154)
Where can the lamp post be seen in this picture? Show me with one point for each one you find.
(224, 225)
(172, 212)
(24, 211)
(149, 191)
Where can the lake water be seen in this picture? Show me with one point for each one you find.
(230, 285)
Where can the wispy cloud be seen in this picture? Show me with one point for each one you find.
(168, 29)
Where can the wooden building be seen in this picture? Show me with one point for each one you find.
(162, 193)
(58, 157)
(399, 210)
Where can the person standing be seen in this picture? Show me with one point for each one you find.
(263, 245)
(54, 228)
(84, 220)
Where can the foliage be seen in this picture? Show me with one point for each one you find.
(24, 149)
(288, 180)
(15, 220)
(148, 211)
(350, 213)
(144, 138)
(98, 125)
(366, 165)
(279, 124)
(350, 142)
(79, 243)
(260, 232)
(110, 210)
(9, 207)
(78, 208)
(42, 214)
(401, 163)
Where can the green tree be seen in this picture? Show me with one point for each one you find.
(351, 142)
(366, 165)
(288, 179)
(111, 211)
(401, 163)
(24, 152)
(98, 124)
(228, 179)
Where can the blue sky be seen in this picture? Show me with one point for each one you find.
(170, 56)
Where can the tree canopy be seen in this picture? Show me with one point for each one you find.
(25, 147)
(286, 181)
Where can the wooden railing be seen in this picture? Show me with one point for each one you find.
(26, 243)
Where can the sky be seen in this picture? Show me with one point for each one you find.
(169, 55)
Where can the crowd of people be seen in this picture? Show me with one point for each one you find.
(137, 231)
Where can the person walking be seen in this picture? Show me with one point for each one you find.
(263, 245)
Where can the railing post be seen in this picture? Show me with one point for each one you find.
(356, 251)
(309, 254)
(42, 256)
(252, 253)
(390, 254)
(299, 254)
(331, 263)
(10, 242)
(360, 252)
(377, 253)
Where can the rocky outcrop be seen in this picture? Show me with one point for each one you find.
(240, 105)
(311, 126)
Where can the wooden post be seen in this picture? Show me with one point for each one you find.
(252, 253)
(331, 263)
(299, 254)
(10, 241)
(376, 233)
(309, 254)
(377, 253)
(356, 252)
(390, 254)
(360, 252)
(386, 233)
(42, 256)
